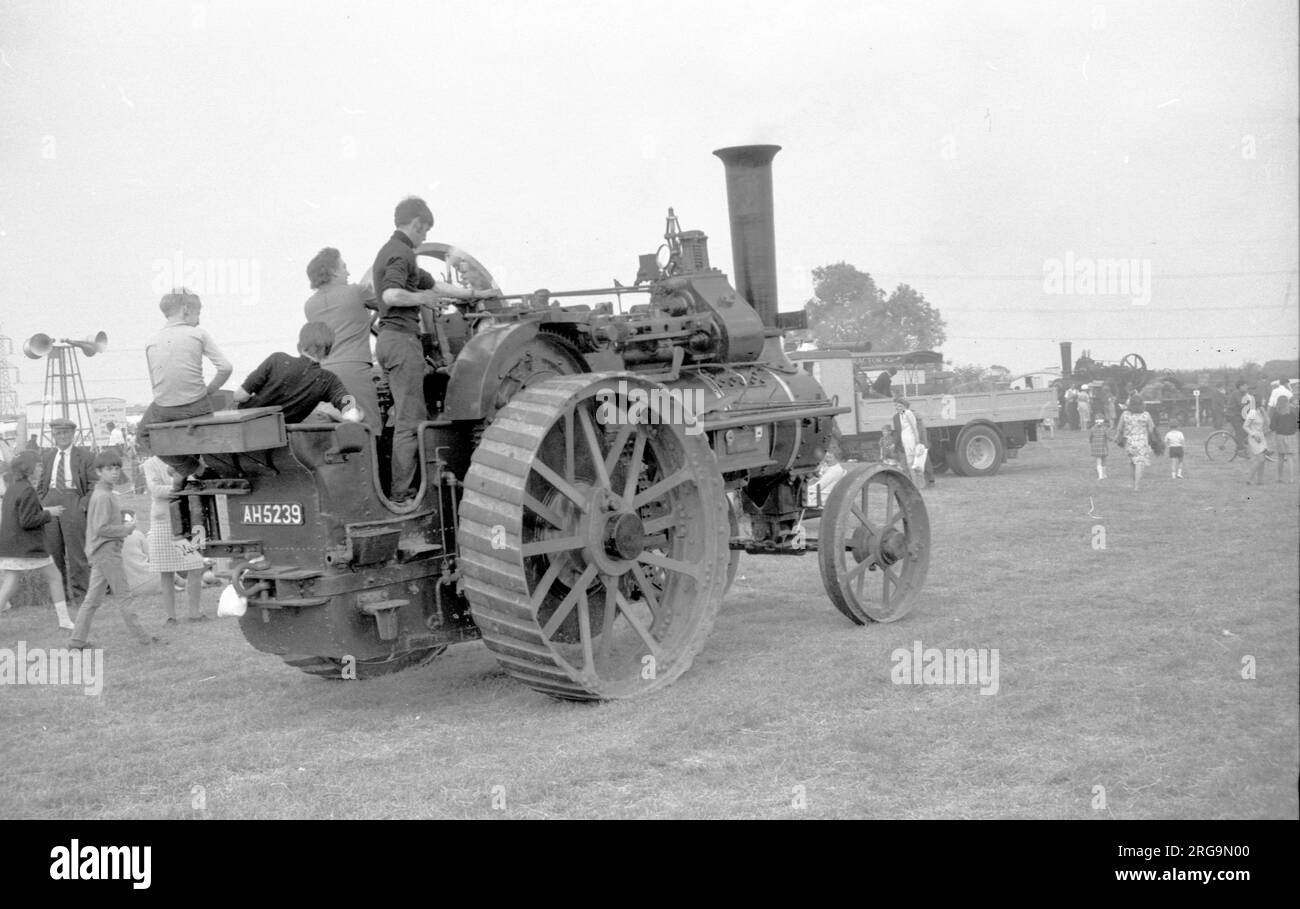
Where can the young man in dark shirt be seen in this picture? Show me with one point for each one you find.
(298, 384)
(401, 289)
(881, 386)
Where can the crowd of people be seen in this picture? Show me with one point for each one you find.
(1261, 427)
(60, 515)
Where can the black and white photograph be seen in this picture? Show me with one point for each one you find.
(745, 410)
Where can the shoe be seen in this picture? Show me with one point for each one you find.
(84, 645)
(69, 626)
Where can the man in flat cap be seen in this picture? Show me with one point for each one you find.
(66, 480)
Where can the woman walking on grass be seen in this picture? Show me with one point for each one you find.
(22, 534)
(1135, 428)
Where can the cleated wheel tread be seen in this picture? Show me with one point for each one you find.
(572, 594)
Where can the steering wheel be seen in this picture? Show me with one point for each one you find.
(460, 268)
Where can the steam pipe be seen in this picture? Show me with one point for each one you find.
(753, 237)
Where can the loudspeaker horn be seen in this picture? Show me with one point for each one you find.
(98, 344)
(38, 345)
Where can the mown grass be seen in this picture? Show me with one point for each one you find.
(1120, 667)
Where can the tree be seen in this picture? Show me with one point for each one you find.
(848, 307)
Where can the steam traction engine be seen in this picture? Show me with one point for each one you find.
(573, 510)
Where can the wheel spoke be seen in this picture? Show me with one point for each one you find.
(664, 486)
(647, 590)
(584, 632)
(634, 466)
(544, 585)
(659, 524)
(551, 544)
(642, 632)
(607, 623)
(886, 578)
(597, 456)
(857, 513)
(857, 571)
(690, 569)
(570, 469)
(544, 512)
(561, 485)
(616, 449)
(566, 605)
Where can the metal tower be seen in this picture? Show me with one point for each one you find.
(9, 409)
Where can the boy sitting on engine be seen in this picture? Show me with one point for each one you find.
(298, 384)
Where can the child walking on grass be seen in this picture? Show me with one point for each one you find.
(22, 534)
(1174, 442)
(105, 531)
(1099, 443)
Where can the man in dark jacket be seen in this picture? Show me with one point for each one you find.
(66, 480)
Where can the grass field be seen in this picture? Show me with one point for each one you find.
(1119, 668)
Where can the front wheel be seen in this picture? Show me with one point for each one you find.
(874, 544)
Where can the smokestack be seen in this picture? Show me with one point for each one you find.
(1067, 365)
(753, 238)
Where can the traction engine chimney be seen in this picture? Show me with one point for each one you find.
(753, 237)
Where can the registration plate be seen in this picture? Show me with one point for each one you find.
(269, 513)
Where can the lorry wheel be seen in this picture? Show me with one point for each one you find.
(979, 452)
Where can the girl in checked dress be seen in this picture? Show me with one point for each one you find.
(1099, 443)
(168, 555)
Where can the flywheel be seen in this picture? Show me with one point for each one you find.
(593, 538)
(874, 544)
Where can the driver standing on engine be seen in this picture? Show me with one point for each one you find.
(401, 288)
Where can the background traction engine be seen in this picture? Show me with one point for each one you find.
(578, 471)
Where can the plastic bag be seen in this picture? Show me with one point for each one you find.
(231, 604)
(918, 457)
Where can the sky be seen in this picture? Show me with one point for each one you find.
(991, 155)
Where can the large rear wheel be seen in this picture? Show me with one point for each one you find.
(593, 538)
